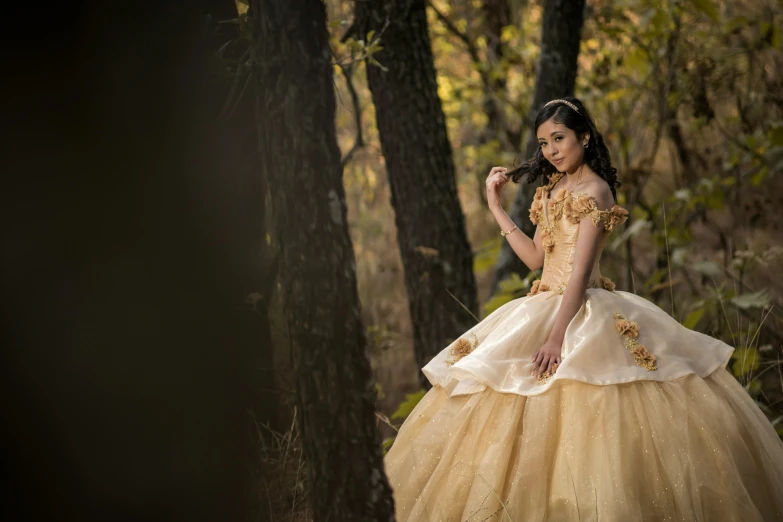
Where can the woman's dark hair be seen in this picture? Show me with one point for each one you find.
(596, 154)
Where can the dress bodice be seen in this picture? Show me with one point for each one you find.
(558, 217)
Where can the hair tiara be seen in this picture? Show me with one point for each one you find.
(564, 102)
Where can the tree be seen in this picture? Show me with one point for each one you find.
(430, 224)
(555, 78)
(497, 15)
(492, 68)
(301, 159)
(134, 378)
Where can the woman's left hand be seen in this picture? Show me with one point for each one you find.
(547, 358)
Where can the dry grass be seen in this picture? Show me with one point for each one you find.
(281, 475)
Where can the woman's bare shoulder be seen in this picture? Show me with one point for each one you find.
(597, 188)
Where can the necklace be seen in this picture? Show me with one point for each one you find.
(578, 179)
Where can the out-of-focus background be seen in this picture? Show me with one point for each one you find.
(160, 359)
(689, 99)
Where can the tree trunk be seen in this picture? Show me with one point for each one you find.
(430, 224)
(300, 156)
(555, 78)
(496, 17)
(120, 326)
(254, 267)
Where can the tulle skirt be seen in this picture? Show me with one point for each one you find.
(689, 449)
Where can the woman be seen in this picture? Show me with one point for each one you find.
(579, 401)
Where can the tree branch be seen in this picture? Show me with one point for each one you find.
(472, 49)
(348, 33)
(347, 71)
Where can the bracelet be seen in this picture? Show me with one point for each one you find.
(504, 234)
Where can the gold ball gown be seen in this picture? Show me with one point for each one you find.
(640, 422)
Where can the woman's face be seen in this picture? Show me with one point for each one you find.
(561, 146)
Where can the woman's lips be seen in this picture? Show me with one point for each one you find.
(558, 161)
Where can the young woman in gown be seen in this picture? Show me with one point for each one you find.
(581, 401)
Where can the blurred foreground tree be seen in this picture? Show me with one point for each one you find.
(237, 137)
(430, 225)
(555, 78)
(301, 159)
(129, 384)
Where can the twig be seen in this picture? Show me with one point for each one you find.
(232, 100)
(481, 506)
(472, 49)
(486, 482)
(664, 111)
(668, 260)
(362, 56)
(239, 98)
(383, 418)
(482, 67)
(462, 305)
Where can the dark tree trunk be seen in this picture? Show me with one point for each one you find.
(555, 78)
(301, 159)
(118, 274)
(430, 224)
(241, 172)
(255, 268)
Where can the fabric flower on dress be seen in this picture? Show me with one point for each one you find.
(630, 330)
(642, 356)
(555, 204)
(609, 218)
(553, 179)
(537, 207)
(537, 287)
(547, 241)
(544, 377)
(603, 282)
(607, 283)
(461, 348)
(536, 210)
(584, 205)
(618, 216)
(578, 207)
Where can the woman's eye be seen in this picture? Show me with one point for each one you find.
(558, 138)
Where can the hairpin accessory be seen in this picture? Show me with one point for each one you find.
(564, 102)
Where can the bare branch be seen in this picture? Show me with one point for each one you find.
(665, 111)
(232, 100)
(472, 49)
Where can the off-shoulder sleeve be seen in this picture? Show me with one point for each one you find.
(579, 206)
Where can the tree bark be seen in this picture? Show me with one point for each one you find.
(496, 17)
(430, 224)
(301, 159)
(555, 78)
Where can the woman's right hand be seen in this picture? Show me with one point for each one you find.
(495, 181)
